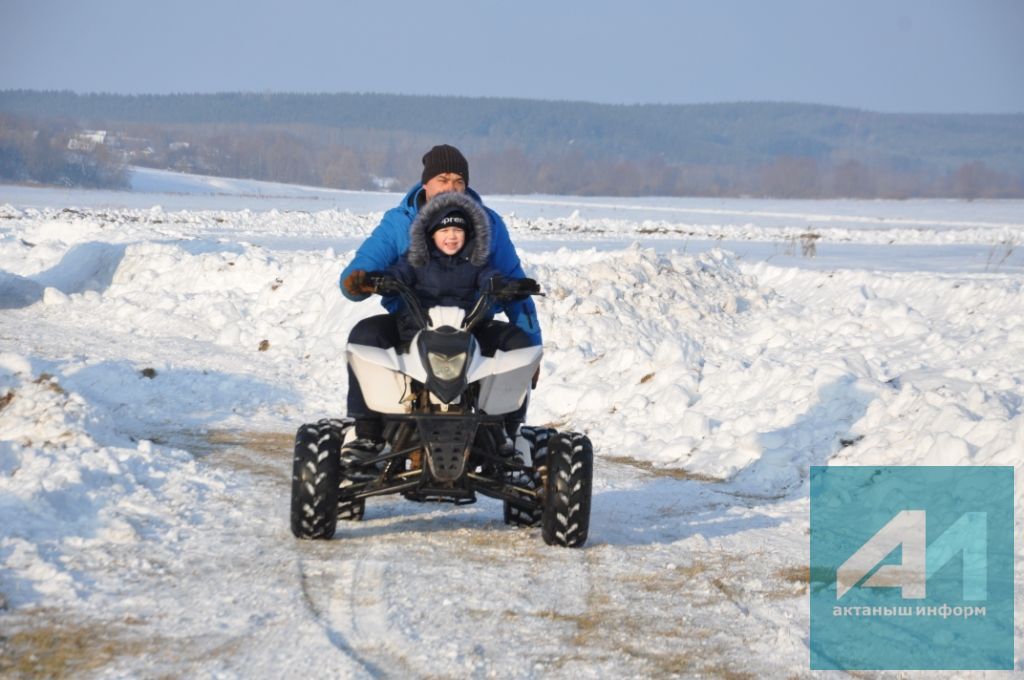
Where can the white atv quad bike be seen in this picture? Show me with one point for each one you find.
(444, 407)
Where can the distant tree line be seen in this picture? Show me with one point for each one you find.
(370, 141)
(56, 153)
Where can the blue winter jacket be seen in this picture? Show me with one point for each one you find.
(390, 240)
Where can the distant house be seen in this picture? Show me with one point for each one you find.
(386, 183)
(132, 147)
(87, 140)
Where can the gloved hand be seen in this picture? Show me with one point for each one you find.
(515, 289)
(383, 283)
(359, 283)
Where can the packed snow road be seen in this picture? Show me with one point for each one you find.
(418, 590)
(152, 375)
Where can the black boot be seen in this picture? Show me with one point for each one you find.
(368, 442)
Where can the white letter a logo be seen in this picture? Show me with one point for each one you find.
(906, 529)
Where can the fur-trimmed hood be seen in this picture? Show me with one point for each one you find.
(479, 245)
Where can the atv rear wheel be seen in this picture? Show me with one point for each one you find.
(537, 439)
(570, 472)
(316, 475)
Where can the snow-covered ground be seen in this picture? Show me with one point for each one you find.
(158, 350)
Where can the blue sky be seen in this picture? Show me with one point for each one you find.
(937, 56)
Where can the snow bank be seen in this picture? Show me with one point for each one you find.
(71, 487)
(799, 229)
(896, 369)
(624, 351)
(747, 375)
(802, 230)
(39, 232)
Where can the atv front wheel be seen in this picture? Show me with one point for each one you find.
(566, 516)
(316, 475)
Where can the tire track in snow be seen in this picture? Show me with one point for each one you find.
(266, 455)
(412, 598)
(357, 627)
(420, 589)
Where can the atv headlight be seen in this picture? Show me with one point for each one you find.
(446, 367)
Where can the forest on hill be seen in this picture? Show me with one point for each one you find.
(371, 141)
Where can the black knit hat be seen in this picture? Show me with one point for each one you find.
(444, 158)
(451, 218)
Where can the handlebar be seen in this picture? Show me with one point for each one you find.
(388, 285)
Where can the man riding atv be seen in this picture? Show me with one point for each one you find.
(442, 392)
(445, 170)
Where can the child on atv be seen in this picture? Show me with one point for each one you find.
(449, 407)
(446, 265)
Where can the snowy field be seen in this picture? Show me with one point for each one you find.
(159, 347)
